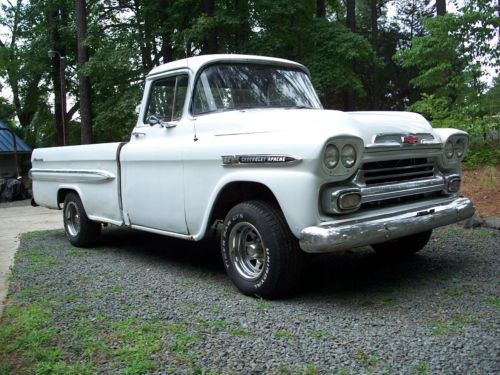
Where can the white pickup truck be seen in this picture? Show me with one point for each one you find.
(242, 143)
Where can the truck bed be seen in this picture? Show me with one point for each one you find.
(91, 170)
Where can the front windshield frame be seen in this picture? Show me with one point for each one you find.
(307, 88)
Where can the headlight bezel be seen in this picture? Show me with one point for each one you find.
(340, 170)
(457, 144)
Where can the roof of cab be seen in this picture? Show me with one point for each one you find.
(197, 62)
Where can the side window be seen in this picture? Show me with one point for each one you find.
(166, 100)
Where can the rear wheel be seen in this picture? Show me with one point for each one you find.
(404, 246)
(260, 254)
(80, 230)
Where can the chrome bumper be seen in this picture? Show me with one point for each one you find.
(385, 225)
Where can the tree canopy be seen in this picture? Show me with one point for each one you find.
(362, 54)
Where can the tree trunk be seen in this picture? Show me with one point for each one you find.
(84, 88)
(374, 40)
(242, 10)
(440, 7)
(348, 96)
(320, 9)
(211, 45)
(351, 15)
(167, 50)
(53, 24)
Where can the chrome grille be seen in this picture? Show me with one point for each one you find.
(389, 171)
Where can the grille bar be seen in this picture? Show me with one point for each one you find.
(392, 171)
(398, 168)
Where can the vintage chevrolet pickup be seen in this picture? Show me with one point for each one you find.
(242, 143)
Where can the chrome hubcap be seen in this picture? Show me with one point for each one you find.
(246, 251)
(72, 219)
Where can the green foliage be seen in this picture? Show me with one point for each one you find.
(332, 54)
(432, 65)
(452, 59)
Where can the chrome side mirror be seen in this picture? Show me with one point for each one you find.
(153, 120)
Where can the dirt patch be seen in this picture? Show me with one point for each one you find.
(482, 186)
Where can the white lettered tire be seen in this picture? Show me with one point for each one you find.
(80, 230)
(260, 254)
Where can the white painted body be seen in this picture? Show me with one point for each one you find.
(167, 180)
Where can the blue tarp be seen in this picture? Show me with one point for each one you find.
(7, 144)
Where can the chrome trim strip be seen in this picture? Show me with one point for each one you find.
(385, 140)
(73, 175)
(388, 191)
(333, 236)
(258, 160)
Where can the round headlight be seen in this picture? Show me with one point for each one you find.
(459, 147)
(348, 156)
(448, 149)
(331, 157)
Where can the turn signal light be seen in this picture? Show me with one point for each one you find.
(349, 201)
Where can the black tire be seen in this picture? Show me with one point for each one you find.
(80, 230)
(403, 246)
(270, 262)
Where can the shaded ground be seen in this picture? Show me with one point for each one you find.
(140, 303)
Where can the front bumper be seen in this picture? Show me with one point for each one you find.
(385, 225)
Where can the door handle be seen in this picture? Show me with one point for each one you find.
(138, 134)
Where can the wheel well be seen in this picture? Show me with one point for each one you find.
(61, 195)
(237, 192)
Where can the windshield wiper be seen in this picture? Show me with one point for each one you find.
(299, 107)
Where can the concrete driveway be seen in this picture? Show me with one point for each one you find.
(17, 218)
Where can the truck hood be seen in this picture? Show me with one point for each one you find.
(309, 123)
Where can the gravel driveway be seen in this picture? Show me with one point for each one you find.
(437, 312)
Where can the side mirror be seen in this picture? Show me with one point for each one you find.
(168, 125)
(153, 120)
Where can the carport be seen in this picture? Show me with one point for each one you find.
(12, 149)
(14, 152)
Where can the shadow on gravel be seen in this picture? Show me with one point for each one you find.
(352, 274)
(203, 256)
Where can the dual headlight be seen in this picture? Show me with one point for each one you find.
(347, 156)
(455, 147)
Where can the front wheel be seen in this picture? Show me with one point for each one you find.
(260, 254)
(404, 246)
(80, 230)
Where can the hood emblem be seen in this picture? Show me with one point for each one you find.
(412, 139)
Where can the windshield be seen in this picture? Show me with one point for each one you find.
(225, 87)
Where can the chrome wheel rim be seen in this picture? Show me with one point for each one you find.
(246, 251)
(72, 219)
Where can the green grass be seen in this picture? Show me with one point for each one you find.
(318, 334)
(310, 370)
(368, 360)
(282, 334)
(239, 332)
(40, 259)
(115, 289)
(262, 304)
(493, 301)
(453, 325)
(421, 368)
(30, 341)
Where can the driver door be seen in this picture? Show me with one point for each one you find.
(152, 163)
